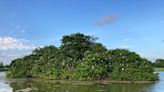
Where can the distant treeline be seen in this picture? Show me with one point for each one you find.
(159, 63)
(3, 67)
(80, 57)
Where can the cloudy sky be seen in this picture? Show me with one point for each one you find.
(137, 25)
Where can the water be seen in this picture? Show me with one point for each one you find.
(50, 86)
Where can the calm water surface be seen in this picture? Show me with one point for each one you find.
(42, 86)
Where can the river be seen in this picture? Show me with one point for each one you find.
(49, 86)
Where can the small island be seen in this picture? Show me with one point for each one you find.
(80, 57)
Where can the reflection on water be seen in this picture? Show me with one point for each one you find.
(40, 86)
(51, 87)
(159, 86)
(5, 88)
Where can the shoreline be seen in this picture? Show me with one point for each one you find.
(75, 81)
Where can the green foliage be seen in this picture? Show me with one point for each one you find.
(94, 67)
(47, 62)
(130, 66)
(159, 63)
(81, 58)
(22, 67)
(75, 45)
(1, 65)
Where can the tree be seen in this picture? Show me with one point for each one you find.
(75, 45)
(159, 63)
(1, 65)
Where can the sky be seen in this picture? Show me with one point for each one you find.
(137, 25)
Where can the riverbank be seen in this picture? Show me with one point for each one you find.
(13, 80)
(158, 69)
(76, 82)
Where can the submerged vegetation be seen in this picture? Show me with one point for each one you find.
(80, 57)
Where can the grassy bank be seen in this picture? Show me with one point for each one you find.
(159, 69)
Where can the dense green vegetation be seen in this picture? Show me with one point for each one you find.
(80, 57)
(159, 63)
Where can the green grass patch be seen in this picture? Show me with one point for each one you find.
(158, 69)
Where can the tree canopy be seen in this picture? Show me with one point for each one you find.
(80, 57)
(75, 45)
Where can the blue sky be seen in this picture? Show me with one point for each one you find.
(137, 25)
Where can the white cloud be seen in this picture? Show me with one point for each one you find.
(14, 43)
(6, 56)
(12, 48)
